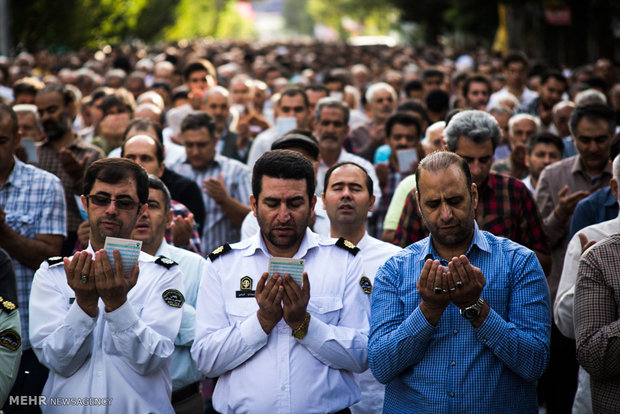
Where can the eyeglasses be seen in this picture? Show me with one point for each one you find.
(120, 203)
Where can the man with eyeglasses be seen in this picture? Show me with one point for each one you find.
(63, 153)
(107, 337)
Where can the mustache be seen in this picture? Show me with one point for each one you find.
(329, 135)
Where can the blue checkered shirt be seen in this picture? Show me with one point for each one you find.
(454, 367)
(34, 203)
(218, 229)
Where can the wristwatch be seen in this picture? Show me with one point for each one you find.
(472, 312)
(301, 331)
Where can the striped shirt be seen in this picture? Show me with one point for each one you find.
(454, 367)
(597, 327)
(218, 229)
(34, 203)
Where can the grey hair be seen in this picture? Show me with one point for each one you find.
(474, 125)
(590, 96)
(216, 89)
(329, 102)
(380, 86)
(616, 168)
(521, 117)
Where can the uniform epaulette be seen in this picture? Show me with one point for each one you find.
(165, 262)
(348, 246)
(7, 305)
(54, 261)
(223, 249)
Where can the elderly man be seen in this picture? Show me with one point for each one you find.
(107, 335)
(366, 138)
(521, 130)
(275, 346)
(459, 320)
(217, 105)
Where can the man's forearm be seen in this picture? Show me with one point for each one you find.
(30, 252)
(235, 210)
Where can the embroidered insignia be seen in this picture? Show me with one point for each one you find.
(10, 339)
(8, 305)
(246, 283)
(173, 298)
(366, 285)
(165, 262)
(223, 249)
(347, 245)
(246, 288)
(53, 261)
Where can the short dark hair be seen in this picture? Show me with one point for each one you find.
(114, 170)
(317, 87)
(593, 111)
(413, 85)
(285, 164)
(157, 184)
(402, 118)
(198, 120)
(553, 74)
(199, 65)
(143, 124)
(516, 56)
(545, 138)
(294, 91)
(67, 96)
(475, 78)
(432, 73)
(114, 101)
(368, 180)
(5, 109)
(438, 100)
(441, 160)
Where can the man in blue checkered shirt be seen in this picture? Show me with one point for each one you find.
(460, 321)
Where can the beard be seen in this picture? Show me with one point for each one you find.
(55, 130)
(462, 231)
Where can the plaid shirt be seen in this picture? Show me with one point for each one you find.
(375, 222)
(505, 208)
(49, 161)
(34, 203)
(179, 209)
(597, 303)
(218, 229)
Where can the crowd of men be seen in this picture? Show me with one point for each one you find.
(323, 228)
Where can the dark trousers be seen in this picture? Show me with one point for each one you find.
(30, 381)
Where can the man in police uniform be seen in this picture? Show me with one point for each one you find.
(10, 327)
(348, 198)
(107, 337)
(276, 346)
(150, 229)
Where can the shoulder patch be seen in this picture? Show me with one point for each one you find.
(348, 246)
(220, 251)
(10, 339)
(8, 305)
(53, 261)
(366, 285)
(173, 298)
(165, 262)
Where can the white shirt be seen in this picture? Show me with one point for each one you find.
(526, 97)
(347, 156)
(374, 254)
(262, 144)
(121, 355)
(183, 369)
(277, 373)
(527, 182)
(249, 226)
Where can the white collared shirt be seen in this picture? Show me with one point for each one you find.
(119, 360)
(276, 373)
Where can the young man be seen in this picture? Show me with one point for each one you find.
(106, 336)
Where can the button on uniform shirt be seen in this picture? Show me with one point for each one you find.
(183, 369)
(597, 303)
(454, 367)
(34, 203)
(505, 208)
(122, 355)
(374, 254)
(276, 373)
(553, 178)
(49, 161)
(218, 229)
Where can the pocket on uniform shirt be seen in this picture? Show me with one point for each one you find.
(326, 308)
(22, 224)
(239, 312)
